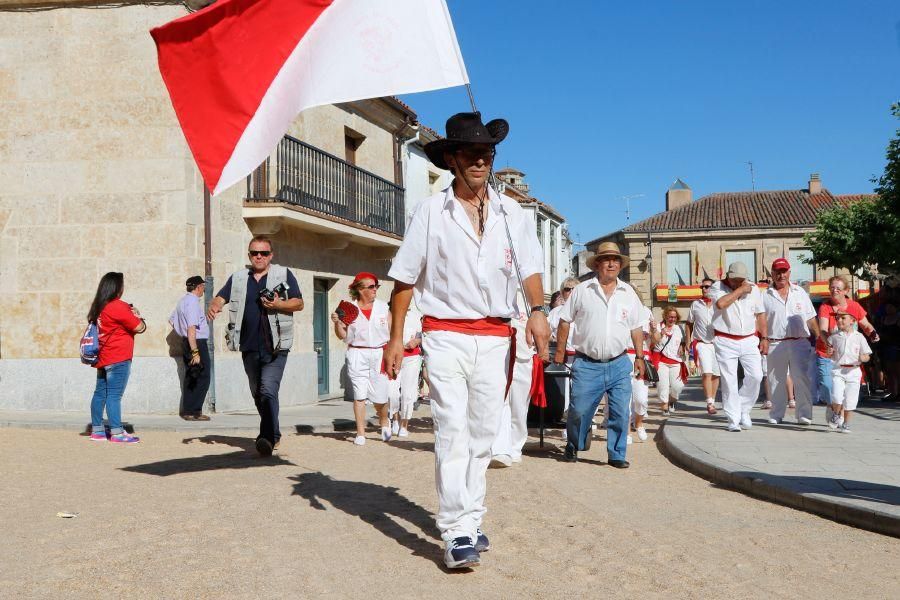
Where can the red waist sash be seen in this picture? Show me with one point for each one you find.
(669, 361)
(414, 352)
(490, 326)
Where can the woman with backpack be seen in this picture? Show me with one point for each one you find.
(668, 352)
(117, 323)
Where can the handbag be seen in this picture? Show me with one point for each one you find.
(651, 373)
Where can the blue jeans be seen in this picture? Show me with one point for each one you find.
(111, 382)
(590, 380)
(264, 371)
(823, 379)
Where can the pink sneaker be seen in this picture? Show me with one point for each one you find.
(124, 438)
(98, 437)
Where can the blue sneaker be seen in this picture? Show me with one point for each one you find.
(482, 543)
(461, 554)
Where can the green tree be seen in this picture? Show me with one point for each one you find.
(864, 235)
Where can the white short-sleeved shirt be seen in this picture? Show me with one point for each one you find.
(603, 326)
(700, 316)
(740, 317)
(456, 276)
(670, 342)
(553, 320)
(848, 348)
(787, 318)
(373, 332)
(646, 329)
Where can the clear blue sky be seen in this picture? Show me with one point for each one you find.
(609, 99)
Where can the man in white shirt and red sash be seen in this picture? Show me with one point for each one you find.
(739, 325)
(457, 260)
(700, 332)
(790, 317)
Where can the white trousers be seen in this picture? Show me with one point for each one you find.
(640, 392)
(364, 370)
(793, 355)
(706, 358)
(467, 376)
(669, 387)
(845, 382)
(403, 391)
(738, 402)
(513, 431)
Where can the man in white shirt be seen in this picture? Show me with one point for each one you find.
(790, 317)
(739, 329)
(700, 332)
(609, 317)
(456, 258)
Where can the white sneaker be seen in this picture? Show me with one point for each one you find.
(734, 427)
(403, 432)
(772, 421)
(746, 423)
(499, 461)
(385, 434)
(395, 426)
(517, 458)
(629, 442)
(360, 440)
(642, 434)
(804, 421)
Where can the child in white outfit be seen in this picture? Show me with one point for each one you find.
(849, 349)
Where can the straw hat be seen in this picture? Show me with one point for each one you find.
(607, 249)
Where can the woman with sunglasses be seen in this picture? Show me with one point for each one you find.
(838, 301)
(669, 349)
(366, 337)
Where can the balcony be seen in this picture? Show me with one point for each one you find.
(320, 192)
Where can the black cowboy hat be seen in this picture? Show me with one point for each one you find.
(466, 128)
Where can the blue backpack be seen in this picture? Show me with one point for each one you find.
(90, 345)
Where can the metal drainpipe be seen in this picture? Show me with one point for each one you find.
(208, 296)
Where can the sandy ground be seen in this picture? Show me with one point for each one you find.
(177, 517)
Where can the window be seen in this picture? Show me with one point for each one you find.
(553, 283)
(678, 268)
(800, 271)
(748, 257)
(540, 231)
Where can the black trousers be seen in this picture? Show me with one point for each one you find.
(196, 380)
(264, 371)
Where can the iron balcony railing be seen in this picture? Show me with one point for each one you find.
(306, 176)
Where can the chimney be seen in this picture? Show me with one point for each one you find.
(679, 194)
(815, 184)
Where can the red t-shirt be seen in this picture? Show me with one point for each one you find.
(117, 325)
(826, 311)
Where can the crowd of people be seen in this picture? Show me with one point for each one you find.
(467, 307)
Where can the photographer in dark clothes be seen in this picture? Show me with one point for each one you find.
(261, 302)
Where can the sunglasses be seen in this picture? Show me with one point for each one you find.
(568, 289)
(705, 287)
(259, 252)
(473, 154)
(374, 286)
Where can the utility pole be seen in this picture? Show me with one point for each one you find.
(752, 176)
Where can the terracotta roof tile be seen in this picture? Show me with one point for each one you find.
(745, 210)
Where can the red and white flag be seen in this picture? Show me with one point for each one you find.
(239, 71)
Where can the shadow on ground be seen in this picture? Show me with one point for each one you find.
(245, 458)
(379, 506)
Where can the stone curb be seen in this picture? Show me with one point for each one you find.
(774, 488)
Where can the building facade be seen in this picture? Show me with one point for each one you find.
(99, 178)
(672, 251)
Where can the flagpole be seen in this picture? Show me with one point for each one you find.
(493, 183)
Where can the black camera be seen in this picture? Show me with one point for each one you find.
(279, 291)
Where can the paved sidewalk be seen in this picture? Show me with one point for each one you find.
(852, 478)
(323, 417)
